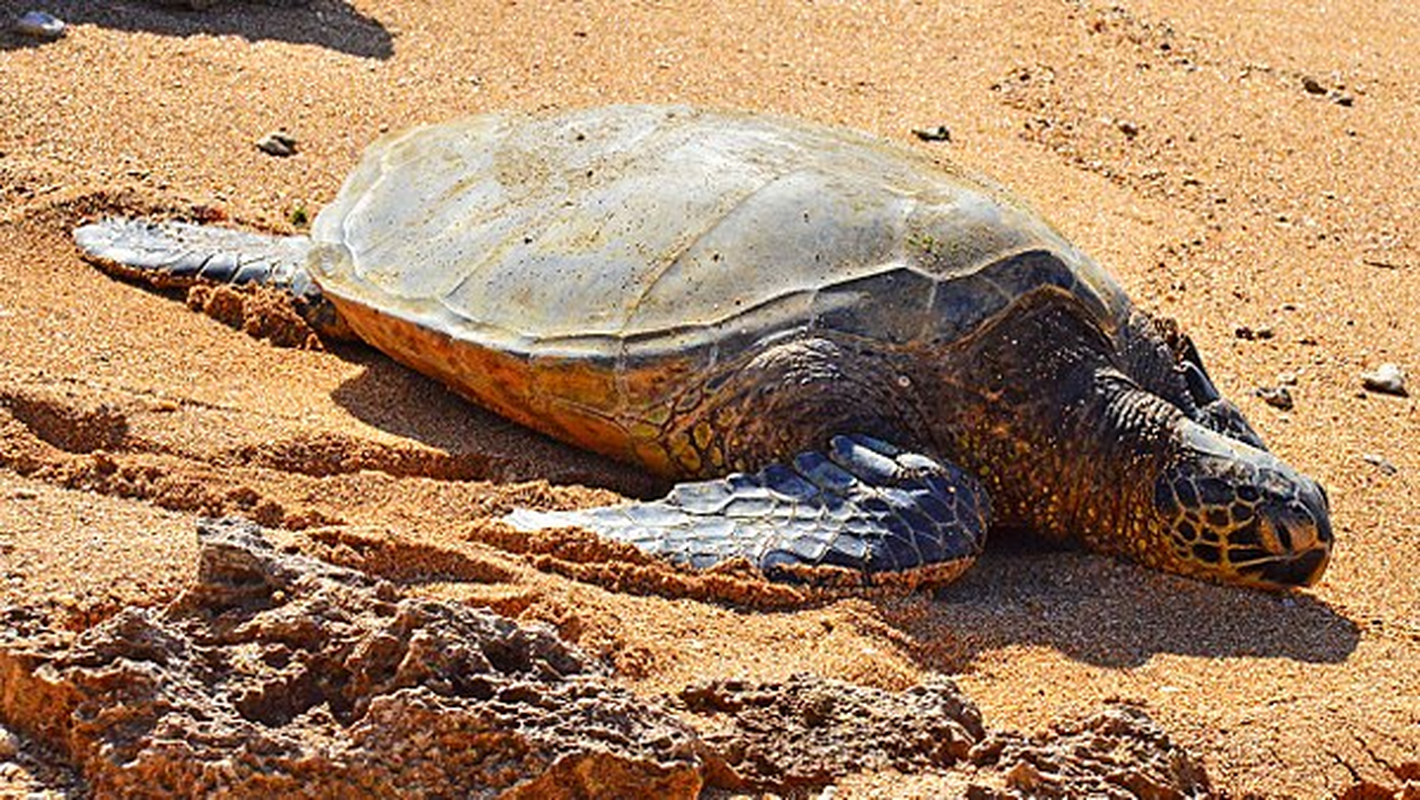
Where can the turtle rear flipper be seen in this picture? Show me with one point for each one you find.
(864, 511)
(178, 254)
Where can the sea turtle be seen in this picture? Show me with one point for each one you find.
(854, 358)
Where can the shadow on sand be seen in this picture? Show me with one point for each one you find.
(402, 402)
(1112, 613)
(332, 24)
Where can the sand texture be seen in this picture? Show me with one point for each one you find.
(1251, 171)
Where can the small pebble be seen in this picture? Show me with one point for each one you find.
(1387, 379)
(1275, 396)
(40, 25)
(1381, 463)
(277, 143)
(1287, 379)
(1127, 128)
(935, 133)
(1245, 332)
(1312, 85)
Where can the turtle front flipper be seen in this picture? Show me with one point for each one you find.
(864, 511)
(176, 254)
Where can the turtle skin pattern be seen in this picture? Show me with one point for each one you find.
(862, 509)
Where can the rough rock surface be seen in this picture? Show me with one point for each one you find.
(276, 673)
(279, 674)
(1116, 753)
(807, 731)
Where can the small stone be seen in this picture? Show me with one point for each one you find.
(277, 143)
(1387, 379)
(1286, 379)
(40, 25)
(1127, 128)
(1275, 396)
(1312, 85)
(1250, 333)
(1342, 99)
(934, 133)
(1380, 463)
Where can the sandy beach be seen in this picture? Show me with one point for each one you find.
(1250, 170)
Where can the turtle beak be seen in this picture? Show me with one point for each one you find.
(1302, 570)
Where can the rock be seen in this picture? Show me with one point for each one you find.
(1129, 129)
(1275, 396)
(1117, 753)
(279, 674)
(39, 25)
(935, 133)
(1387, 379)
(1287, 379)
(786, 738)
(1250, 334)
(277, 143)
(1312, 85)
(809, 731)
(1380, 463)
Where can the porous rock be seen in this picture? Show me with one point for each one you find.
(807, 731)
(279, 674)
(1116, 753)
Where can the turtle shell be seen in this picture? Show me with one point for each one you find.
(574, 271)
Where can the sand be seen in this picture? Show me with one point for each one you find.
(1250, 168)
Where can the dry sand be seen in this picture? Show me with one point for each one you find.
(1177, 142)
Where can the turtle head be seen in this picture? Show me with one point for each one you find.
(1224, 508)
(1234, 513)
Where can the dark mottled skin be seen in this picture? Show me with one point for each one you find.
(1068, 427)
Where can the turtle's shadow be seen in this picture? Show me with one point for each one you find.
(1113, 614)
(402, 402)
(332, 24)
